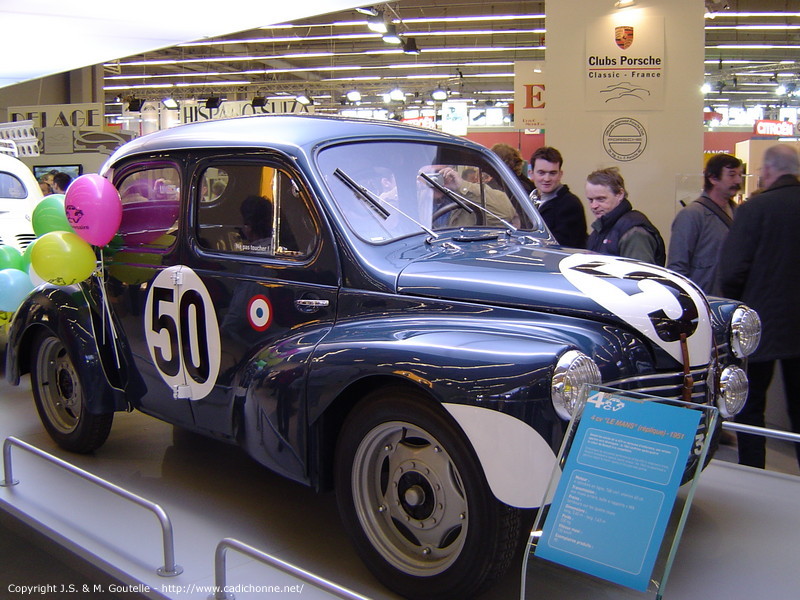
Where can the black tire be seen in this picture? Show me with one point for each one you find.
(414, 499)
(61, 398)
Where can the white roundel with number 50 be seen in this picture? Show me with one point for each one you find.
(182, 332)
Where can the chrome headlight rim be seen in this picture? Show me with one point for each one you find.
(745, 331)
(572, 370)
(733, 387)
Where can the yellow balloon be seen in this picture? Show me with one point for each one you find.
(63, 258)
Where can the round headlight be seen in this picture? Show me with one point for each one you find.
(573, 369)
(745, 331)
(732, 391)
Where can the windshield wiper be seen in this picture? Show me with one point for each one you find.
(377, 202)
(463, 201)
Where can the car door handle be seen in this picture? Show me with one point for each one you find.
(309, 305)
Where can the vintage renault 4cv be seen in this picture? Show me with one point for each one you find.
(370, 307)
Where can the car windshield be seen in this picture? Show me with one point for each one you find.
(387, 190)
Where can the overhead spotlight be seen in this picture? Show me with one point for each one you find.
(624, 3)
(410, 46)
(170, 103)
(213, 102)
(135, 104)
(705, 88)
(377, 23)
(354, 96)
(439, 95)
(304, 99)
(368, 10)
(780, 90)
(397, 95)
(391, 37)
(259, 101)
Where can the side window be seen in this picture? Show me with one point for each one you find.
(11, 187)
(150, 206)
(254, 209)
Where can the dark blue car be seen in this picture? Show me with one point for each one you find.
(371, 307)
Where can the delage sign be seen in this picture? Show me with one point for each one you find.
(778, 128)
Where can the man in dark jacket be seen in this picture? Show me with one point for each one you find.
(619, 230)
(561, 210)
(759, 264)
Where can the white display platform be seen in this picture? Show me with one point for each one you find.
(740, 542)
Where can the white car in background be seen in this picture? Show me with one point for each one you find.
(19, 195)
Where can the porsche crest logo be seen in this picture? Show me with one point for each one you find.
(623, 36)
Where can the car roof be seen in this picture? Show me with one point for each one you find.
(286, 132)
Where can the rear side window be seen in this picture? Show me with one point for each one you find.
(150, 206)
(11, 187)
(254, 209)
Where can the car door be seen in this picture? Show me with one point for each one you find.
(259, 246)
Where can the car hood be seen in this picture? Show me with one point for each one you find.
(658, 303)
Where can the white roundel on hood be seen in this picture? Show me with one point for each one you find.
(659, 303)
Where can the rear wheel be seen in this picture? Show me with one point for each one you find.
(61, 399)
(414, 499)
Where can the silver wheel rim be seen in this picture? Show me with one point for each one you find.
(58, 386)
(409, 498)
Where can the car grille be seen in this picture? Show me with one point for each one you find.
(666, 385)
(20, 240)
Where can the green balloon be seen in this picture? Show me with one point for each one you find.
(49, 215)
(10, 258)
(26, 257)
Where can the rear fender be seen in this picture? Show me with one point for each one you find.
(66, 312)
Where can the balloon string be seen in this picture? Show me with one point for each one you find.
(107, 311)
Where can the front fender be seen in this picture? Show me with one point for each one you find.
(67, 314)
(453, 360)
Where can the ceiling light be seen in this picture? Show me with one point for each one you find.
(377, 23)
(397, 95)
(170, 103)
(439, 95)
(135, 104)
(410, 46)
(624, 3)
(368, 10)
(391, 37)
(213, 102)
(354, 96)
(259, 101)
(304, 99)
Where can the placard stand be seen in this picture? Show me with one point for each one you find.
(611, 509)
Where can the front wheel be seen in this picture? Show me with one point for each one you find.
(414, 499)
(61, 401)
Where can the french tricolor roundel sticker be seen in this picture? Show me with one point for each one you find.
(259, 312)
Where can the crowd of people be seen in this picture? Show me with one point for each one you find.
(748, 251)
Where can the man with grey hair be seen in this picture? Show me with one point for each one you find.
(760, 264)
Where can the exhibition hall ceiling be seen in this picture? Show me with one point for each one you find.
(467, 48)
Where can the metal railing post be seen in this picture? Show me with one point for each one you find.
(170, 569)
(220, 578)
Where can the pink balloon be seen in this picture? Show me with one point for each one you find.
(93, 208)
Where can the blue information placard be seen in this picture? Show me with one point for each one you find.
(618, 487)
